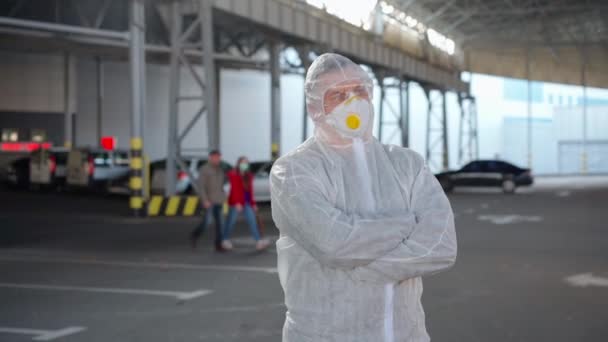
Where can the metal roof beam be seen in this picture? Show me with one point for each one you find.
(61, 28)
(543, 8)
(429, 20)
(102, 13)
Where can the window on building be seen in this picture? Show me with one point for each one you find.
(10, 134)
(517, 90)
(38, 135)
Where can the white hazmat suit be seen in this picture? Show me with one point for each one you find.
(360, 221)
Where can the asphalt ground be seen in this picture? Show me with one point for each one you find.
(76, 267)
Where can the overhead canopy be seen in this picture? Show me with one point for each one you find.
(559, 38)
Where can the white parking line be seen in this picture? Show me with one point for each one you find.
(181, 296)
(509, 219)
(43, 335)
(144, 264)
(585, 280)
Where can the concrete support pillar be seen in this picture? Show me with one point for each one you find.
(429, 114)
(69, 98)
(529, 111)
(584, 158)
(100, 96)
(174, 80)
(444, 119)
(137, 27)
(213, 120)
(404, 106)
(303, 54)
(275, 99)
(381, 108)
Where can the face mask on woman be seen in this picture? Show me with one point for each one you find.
(244, 167)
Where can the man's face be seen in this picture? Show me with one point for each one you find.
(341, 92)
(215, 159)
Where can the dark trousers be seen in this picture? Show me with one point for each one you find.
(216, 211)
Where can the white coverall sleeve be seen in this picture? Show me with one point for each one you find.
(302, 210)
(430, 248)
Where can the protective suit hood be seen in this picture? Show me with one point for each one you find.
(339, 96)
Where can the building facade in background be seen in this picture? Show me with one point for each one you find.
(561, 142)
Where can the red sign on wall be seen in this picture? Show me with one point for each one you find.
(23, 146)
(108, 143)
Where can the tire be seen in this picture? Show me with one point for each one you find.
(508, 186)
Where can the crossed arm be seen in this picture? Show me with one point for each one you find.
(389, 247)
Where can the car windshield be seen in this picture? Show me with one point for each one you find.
(121, 158)
(60, 157)
(104, 158)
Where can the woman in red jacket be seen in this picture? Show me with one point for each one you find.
(241, 200)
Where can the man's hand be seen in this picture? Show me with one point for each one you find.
(239, 207)
(206, 204)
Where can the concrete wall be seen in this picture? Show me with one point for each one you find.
(32, 82)
(569, 123)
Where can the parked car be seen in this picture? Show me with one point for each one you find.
(261, 182)
(183, 183)
(96, 168)
(18, 173)
(48, 167)
(488, 173)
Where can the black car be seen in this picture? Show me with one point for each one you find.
(488, 173)
(18, 173)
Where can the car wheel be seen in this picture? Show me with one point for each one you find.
(508, 186)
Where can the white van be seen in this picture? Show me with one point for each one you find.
(48, 167)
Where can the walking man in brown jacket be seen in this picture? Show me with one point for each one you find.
(211, 179)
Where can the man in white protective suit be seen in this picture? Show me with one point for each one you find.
(360, 222)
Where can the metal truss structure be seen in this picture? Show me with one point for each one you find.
(398, 123)
(436, 152)
(468, 147)
(537, 23)
(196, 36)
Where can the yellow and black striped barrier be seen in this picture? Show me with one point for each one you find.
(136, 182)
(174, 206)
